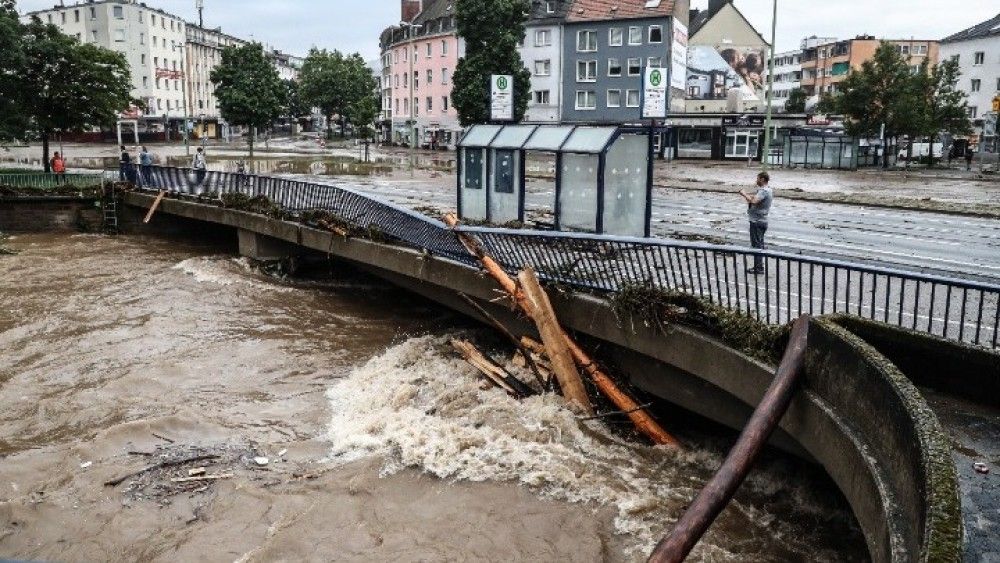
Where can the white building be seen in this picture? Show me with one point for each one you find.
(977, 51)
(541, 53)
(171, 61)
(788, 70)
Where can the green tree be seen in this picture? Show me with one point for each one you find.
(248, 88)
(363, 113)
(880, 93)
(334, 83)
(942, 104)
(13, 123)
(69, 86)
(796, 102)
(492, 30)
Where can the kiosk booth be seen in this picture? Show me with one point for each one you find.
(603, 183)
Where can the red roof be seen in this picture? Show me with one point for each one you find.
(603, 10)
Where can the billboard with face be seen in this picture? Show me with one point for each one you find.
(713, 73)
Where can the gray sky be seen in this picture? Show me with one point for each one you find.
(354, 25)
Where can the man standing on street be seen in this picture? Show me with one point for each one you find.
(759, 208)
(146, 164)
(200, 169)
(125, 166)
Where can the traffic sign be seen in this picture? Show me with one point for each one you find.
(654, 93)
(996, 104)
(502, 97)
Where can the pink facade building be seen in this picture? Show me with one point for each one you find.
(419, 57)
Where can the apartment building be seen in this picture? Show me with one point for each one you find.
(171, 61)
(826, 65)
(977, 50)
(420, 56)
(606, 47)
(788, 70)
(541, 52)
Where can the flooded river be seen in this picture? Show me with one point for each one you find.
(335, 425)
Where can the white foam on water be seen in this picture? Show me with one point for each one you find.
(226, 271)
(419, 406)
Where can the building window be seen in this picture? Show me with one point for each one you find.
(49, 16)
(416, 80)
(586, 100)
(429, 50)
(444, 47)
(542, 97)
(614, 67)
(973, 111)
(976, 84)
(430, 104)
(444, 76)
(444, 103)
(543, 68)
(586, 71)
(632, 98)
(119, 12)
(543, 37)
(615, 37)
(397, 105)
(586, 41)
(979, 58)
(119, 35)
(416, 107)
(654, 62)
(998, 84)
(62, 17)
(550, 7)
(76, 16)
(635, 35)
(142, 38)
(955, 58)
(145, 81)
(904, 49)
(920, 50)
(142, 59)
(406, 80)
(614, 98)
(140, 16)
(430, 76)
(93, 13)
(634, 67)
(655, 34)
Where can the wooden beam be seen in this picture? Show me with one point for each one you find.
(155, 206)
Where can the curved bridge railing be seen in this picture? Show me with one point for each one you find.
(792, 285)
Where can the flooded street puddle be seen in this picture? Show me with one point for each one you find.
(119, 353)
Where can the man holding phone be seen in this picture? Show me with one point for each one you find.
(759, 207)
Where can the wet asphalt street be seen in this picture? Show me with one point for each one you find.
(951, 245)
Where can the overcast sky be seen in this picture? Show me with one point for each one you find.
(354, 25)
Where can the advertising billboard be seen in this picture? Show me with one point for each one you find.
(713, 73)
(679, 56)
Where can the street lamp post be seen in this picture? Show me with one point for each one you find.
(770, 90)
(411, 53)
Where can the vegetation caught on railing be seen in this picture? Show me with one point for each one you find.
(658, 309)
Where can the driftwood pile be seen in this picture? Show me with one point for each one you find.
(556, 358)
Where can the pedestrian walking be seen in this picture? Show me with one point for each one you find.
(58, 168)
(759, 207)
(968, 157)
(146, 166)
(199, 166)
(125, 165)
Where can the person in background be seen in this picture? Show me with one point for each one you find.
(59, 168)
(124, 165)
(759, 208)
(146, 164)
(199, 166)
(968, 157)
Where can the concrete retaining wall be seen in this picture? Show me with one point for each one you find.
(47, 214)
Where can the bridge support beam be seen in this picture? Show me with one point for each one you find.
(262, 247)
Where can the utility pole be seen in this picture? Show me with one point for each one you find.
(770, 90)
(200, 4)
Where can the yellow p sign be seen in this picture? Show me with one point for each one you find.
(996, 104)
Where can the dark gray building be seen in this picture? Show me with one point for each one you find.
(606, 47)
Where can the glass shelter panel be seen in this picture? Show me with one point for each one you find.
(505, 198)
(512, 136)
(589, 139)
(479, 136)
(549, 139)
(578, 195)
(473, 183)
(625, 186)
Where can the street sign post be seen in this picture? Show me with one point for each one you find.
(654, 93)
(502, 97)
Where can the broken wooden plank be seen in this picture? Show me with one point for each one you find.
(529, 362)
(155, 206)
(202, 478)
(512, 385)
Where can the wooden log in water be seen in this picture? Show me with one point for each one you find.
(499, 376)
(642, 419)
(676, 546)
(155, 206)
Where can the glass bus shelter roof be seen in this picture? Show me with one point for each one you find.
(547, 138)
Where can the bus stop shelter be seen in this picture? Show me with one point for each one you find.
(603, 175)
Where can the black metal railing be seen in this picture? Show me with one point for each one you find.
(791, 285)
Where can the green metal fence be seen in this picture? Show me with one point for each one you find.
(42, 181)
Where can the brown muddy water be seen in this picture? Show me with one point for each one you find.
(119, 353)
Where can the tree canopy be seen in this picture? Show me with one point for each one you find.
(335, 84)
(248, 88)
(796, 102)
(492, 30)
(68, 86)
(13, 122)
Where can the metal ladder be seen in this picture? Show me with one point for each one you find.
(110, 205)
